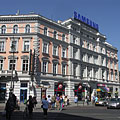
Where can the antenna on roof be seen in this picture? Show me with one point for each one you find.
(18, 12)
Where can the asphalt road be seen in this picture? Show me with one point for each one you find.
(71, 113)
(89, 113)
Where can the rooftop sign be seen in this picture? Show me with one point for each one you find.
(85, 20)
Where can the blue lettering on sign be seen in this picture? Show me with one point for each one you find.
(85, 20)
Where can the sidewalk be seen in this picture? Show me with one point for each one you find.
(38, 106)
(80, 103)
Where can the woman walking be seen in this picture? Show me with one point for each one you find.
(45, 104)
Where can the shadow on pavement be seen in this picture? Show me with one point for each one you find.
(18, 115)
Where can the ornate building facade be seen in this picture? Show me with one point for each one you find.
(39, 57)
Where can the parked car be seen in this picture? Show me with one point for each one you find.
(102, 102)
(114, 103)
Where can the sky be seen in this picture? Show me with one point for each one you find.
(106, 13)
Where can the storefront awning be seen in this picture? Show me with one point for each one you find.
(104, 89)
(98, 90)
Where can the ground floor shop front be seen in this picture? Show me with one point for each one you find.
(24, 88)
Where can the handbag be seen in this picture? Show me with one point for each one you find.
(41, 106)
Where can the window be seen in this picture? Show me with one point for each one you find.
(74, 69)
(95, 59)
(55, 50)
(103, 73)
(1, 64)
(24, 85)
(25, 65)
(88, 72)
(44, 67)
(83, 56)
(63, 69)
(94, 48)
(27, 29)
(12, 64)
(13, 46)
(89, 58)
(102, 60)
(63, 52)
(3, 29)
(63, 37)
(55, 35)
(95, 73)
(26, 46)
(54, 68)
(45, 31)
(15, 29)
(2, 46)
(45, 47)
(74, 53)
(74, 39)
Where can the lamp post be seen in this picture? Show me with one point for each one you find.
(12, 50)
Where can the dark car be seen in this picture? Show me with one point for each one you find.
(102, 102)
(114, 103)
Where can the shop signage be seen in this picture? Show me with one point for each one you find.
(60, 86)
(79, 87)
(85, 20)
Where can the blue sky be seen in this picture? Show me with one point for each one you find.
(103, 12)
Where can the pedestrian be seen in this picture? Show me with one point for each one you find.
(65, 101)
(87, 99)
(61, 103)
(34, 101)
(30, 105)
(53, 100)
(58, 102)
(49, 101)
(45, 104)
(96, 99)
(10, 106)
(93, 99)
(76, 99)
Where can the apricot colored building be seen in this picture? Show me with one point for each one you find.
(41, 57)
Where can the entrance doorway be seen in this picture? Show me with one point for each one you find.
(59, 89)
(2, 92)
(43, 92)
(23, 95)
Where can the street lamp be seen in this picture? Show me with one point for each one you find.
(12, 50)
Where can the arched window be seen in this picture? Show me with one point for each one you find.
(3, 29)
(15, 29)
(27, 29)
(45, 31)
